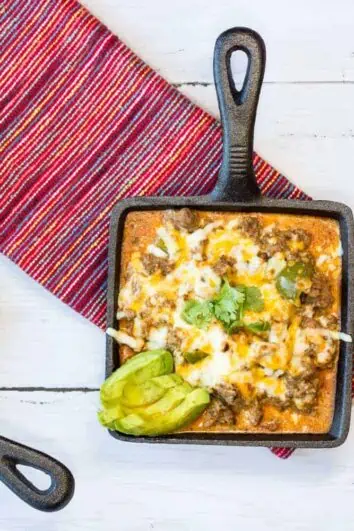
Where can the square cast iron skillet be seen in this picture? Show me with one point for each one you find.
(237, 191)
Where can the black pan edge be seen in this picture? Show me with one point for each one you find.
(340, 427)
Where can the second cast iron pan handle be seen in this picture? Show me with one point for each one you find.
(62, 484)
(238, 108)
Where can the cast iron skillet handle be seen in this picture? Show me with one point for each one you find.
(62, 485)
(237, 180)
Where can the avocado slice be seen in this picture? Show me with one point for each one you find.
(148, 392)
(168, 380)
(108, 416)
(169, 401)
(137, 369)
(143, 394)
(187, 411)
(175, 395)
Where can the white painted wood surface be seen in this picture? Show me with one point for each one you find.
(130, 487)
(306, 129)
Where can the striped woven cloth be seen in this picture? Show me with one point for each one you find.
(83, 123)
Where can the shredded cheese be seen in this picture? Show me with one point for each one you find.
(156, 251)
(125, 339)
(244, 359)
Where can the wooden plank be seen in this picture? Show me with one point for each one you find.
(137, 487)
(305, 131)
(299, 129)
(43, 342)
(306, 41)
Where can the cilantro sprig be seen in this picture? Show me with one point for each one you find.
(228, 304)
(198, 313)
(253, 298)
(228, 307)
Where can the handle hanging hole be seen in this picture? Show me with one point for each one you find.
(41, 480)
(239, 64)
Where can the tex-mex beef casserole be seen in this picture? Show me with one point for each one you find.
(248, 308)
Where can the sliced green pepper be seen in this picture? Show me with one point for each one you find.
(259, 327)
(195, 356)
(161, 245)
(286, 281)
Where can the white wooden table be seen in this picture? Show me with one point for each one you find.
(52, 360)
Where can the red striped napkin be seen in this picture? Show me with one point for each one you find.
(84, 122)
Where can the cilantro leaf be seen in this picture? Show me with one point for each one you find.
(253, 298)
(198, 313)
(258, 327)
(227, 305)
(234, 327)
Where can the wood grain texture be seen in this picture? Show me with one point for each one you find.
(42, 341)
(305, 128)
(307, 40)
(305, 131)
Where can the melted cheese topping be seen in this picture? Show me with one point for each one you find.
(256, 365)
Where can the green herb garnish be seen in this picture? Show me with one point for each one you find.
(197, 313)
(254, 300)
(227, 306)
(234, 327)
